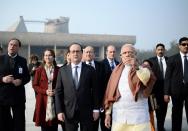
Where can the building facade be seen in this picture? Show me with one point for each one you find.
(56, 36)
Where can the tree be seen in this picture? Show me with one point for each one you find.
(173, 48)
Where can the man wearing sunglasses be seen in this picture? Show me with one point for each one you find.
(176, 83)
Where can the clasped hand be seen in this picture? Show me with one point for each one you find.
(10, 79)
(50, 92)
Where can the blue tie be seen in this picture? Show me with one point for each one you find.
(112, 65)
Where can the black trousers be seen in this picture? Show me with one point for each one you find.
(63, 126)
(14, 122)
(18, 112)
(5, 118)
(49, 128)
(177, 110)
(161, 112)
(96, 125)
(72, 124)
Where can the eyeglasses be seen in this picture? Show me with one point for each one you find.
(184, 44)
(75, 51)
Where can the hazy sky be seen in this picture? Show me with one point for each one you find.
(151, 21)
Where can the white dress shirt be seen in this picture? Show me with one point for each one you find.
(79, 73)
(79, 67)
(111, 62)
(164, 64)
(182, 59)
(92, 63)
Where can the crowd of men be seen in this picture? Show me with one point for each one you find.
(87, 93)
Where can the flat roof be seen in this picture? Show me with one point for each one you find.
(36, 38)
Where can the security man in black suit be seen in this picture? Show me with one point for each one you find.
(109, 64)
(76, 97)
(89, 56)
(159, 69)
(14, 75)
(176, 84)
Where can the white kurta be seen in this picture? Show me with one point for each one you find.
(126, 110)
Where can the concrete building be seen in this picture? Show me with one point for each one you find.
(60, 25)
(56, 37)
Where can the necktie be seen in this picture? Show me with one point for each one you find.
(185, 75)
(161, 67)
(112, 65)
(75, 77)
(90, 64)
(12, 64)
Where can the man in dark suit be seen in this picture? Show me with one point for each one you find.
(89, 56)
(176, 83)
(159, 69)
(14, 75)
(77, 93)
(109, 64)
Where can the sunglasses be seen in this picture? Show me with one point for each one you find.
(184, 44)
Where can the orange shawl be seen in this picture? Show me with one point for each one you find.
(112, 93)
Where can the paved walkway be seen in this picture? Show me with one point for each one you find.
(30, 104)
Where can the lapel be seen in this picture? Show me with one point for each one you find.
(82, 75)
(179, 65)
(116, 62)
(68, 71)
(107, 64)
(157, 64)
(56, 69)
(166, 58)
(43, 74)
(96, 65)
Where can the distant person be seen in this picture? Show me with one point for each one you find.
(1, 50)
(176, 84)
(89, 54)
(44, 84)
(67, 60)
(151, 100)
(159, 69)
(14, 75)
(126, 96)
(109, 64)
(34, 64)
(77, 101)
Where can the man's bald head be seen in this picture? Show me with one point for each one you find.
(128, 49)
(89, 54)
(110, 52)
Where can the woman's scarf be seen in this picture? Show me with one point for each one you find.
(50, 108)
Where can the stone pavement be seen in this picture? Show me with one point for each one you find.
(30, 104)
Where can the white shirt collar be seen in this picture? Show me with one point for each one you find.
(160, 57)
(12, 56)
(92, 62)
(182, 55)
(79, 65)
(109, 60)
